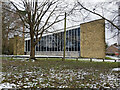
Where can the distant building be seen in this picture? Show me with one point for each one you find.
(118, 38)
(113, 50)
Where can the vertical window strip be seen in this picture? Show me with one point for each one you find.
(73, 39)
(68, 41)
(46, 43)
(27, 46)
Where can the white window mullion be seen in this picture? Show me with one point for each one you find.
(74, 40)
(46, 43)
(27, 45)
(57, 42)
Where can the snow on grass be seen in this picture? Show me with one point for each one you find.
(63, 79)
(7, 85)
(116, 69)
(56, 74)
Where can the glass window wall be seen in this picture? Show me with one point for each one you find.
(55, 42)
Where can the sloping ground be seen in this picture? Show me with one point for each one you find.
(58, 74)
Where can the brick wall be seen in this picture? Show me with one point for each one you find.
(93, 39)
(17, 45)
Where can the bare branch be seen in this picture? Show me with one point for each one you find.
(100, 16)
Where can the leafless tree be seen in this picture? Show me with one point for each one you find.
(105, 10)
(10, 23)
(99, 15)
(38, 17)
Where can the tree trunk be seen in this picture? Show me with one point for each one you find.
(32, 51)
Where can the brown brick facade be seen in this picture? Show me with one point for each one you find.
(92, 38)
(17, 45)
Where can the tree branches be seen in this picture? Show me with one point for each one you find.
(99, 16)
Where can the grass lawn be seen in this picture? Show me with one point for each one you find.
(59, 74)
(108, 58)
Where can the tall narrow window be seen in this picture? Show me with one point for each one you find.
(44, 43)
(61, 41)
(72, 36)
(53, 47)
(55, 36)
(48, 43)
(28, 45)
(70, 40)
(75, 39)
(78, 39)
(39, 46)
(57, 41)
(66, 40)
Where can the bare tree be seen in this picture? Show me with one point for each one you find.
(10, 23)
(116, 26)
(108, 11)
(105, 10)
(38, 17)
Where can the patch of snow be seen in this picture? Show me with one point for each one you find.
(26, 86)
(116, 69)
(7, 85)
(28, 72)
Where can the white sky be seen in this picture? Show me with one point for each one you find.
(93, 1)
